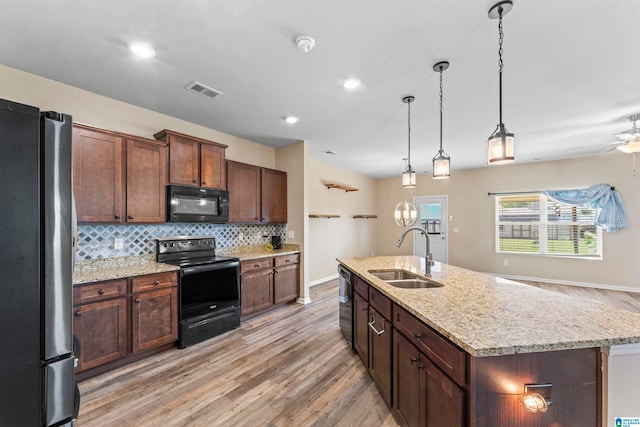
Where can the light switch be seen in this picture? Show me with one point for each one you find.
(456, 229)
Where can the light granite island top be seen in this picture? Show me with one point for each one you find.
(490, 316)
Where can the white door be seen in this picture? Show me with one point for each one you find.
(432, 216)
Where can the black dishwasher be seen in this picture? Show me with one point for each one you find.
(346, 304)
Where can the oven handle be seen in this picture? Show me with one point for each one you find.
(209, 267)
(210, 319)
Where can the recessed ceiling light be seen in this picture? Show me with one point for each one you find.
(352, 83)
(291, 119)
(143, 50)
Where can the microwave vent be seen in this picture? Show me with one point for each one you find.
(202, 89)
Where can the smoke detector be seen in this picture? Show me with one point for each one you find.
(305, 43)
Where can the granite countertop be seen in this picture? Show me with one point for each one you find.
(97, 270)
(258, 251)
(490, 316)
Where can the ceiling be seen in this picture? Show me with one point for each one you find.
(571, 75)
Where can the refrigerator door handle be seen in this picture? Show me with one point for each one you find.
(59, 391)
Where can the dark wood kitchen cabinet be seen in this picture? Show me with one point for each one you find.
(154, 311)
(100, 323)
(268, 282)
(119, 321)
(146, 181)
(256, 194)
(286, 278)
(98, 180)
(194, 161)
(256, 285)
(118, 178)
(380, 343)
(360, 321)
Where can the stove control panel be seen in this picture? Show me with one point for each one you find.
(166, 245)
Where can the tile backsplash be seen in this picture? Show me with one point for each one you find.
(97, 241)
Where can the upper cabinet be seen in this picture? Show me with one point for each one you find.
(256, 194)
(118, 178)
(194, 161)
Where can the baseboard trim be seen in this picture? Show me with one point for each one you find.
(303, 301)
(323, 280)
(569, 283)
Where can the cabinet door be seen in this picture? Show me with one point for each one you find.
(101, 328)
(146, 181)
(408, 395)
(380, 351)
(361, 328)
(444, 399)
(154, 318)
(213, 168)
(256, 291)
(243, 183)
(285, 283)
(184, 161)
(274, 196)
(98, 184)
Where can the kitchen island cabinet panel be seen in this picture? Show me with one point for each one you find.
(98, 182)
(408, 384)
(146, 181)
(361, 328)
(380, 352)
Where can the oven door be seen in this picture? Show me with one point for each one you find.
(209, 301)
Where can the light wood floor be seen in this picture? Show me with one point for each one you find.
(290, 367)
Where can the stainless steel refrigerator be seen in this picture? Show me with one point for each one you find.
(37, 385)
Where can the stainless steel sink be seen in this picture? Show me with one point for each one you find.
(404, 279)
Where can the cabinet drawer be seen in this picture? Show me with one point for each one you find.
(153, 281)
(286, 260)
(380, 302)
(255, 264)
(99, 291)
(361, 287)
(444, 354)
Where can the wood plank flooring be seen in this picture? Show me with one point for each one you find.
(291, 367)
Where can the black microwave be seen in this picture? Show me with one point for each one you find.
(193, 204)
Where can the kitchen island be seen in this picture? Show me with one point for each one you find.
(486, 337)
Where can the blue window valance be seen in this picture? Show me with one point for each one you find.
(611, 214)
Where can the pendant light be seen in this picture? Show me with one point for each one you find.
(409, 175)
(501, 140)
(441, 161)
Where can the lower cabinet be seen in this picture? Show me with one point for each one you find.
(423, 395)
(380, 351)
(119, 319)
(267, 282)
(361, 327)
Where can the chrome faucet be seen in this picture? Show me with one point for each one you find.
(429, 256)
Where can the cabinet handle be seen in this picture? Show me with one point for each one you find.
(287, 260)
(116, 216)
(413, 360)
(204, 182)
(137, 300)
(420, 365)
(256, 266)
(195, 181)
(276, 272)
(156, 283)
(78, 313)
(101, 292)
(365, 309)
(129, 217)
(418, 337)
(374, 328)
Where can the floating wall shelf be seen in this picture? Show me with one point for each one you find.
(365, 216)
(323, 216)
(346, 188)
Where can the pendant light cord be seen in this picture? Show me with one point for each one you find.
(500, 63)
(440, 109)
(409, 133)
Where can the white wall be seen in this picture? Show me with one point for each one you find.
(338, 237)
(473, 211)
(622, 371)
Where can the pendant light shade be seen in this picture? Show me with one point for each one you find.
(441, 161)
(405, 214)
(409, 175)
(501, 142)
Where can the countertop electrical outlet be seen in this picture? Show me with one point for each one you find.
(118, 243)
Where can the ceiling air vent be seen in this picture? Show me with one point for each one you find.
(203, 90)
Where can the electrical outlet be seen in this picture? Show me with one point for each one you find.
(118, 243)
(456, 229)
(506, 263)
(292, 234)
(240, 235)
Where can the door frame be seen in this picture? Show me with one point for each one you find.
(444, 225)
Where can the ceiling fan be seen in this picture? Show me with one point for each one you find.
(631, 137)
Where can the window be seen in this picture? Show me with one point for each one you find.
(537, 224)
